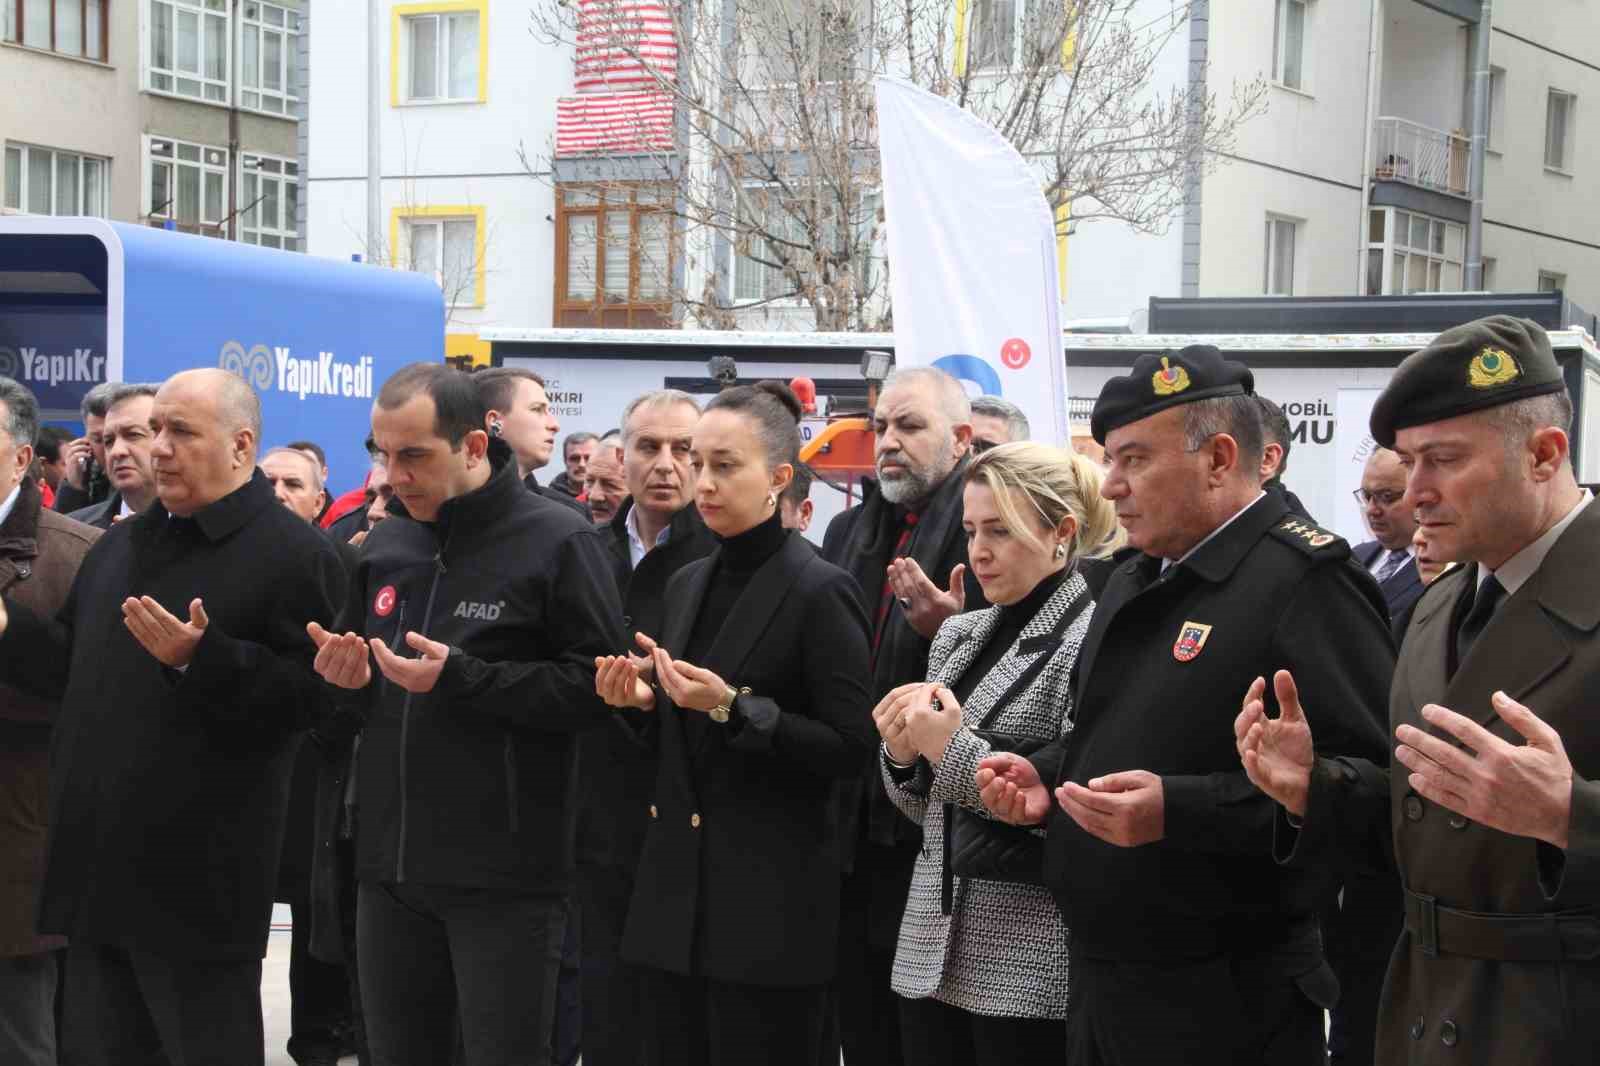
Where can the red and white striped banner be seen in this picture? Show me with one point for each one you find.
(623, 44)
(608, 123)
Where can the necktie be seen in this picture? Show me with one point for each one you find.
(1391, 565)
(886, 600)
(1490, 593)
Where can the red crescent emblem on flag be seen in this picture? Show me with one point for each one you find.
(1015, 353)
(383, 603)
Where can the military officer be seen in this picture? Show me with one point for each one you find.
(1186, 937)
(1494, 814)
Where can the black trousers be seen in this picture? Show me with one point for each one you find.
(319, 992)
(696, 1021)
(1361, 932)
(610, 986)
(937, 1034)
(132, 1008)
(872, 902)
(1224, 1010)
(566, 1032)
(430, 954)
(28, 1009)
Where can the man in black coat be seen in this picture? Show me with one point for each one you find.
(906, 549)
(654, 534)
(85, 481)
(1389, 556)
(185, 668)
(1276, 440)
(517, 409)
(485, 607)
(1186, 938)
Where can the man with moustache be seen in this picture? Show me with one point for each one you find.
(605, 487)
(906, 549)
(85, 480)
(127, 437)
(654, 533)
(171, 756)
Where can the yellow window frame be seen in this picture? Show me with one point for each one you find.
(1069, 45)
(397, 18)
(479, 218)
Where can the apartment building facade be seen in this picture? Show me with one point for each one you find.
(178, 113)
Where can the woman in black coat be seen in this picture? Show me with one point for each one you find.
(755, 695)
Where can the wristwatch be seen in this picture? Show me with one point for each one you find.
(721, 711)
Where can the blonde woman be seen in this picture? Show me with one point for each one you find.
(981, 965)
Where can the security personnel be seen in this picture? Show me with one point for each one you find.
(1186, 938)
(1496, 827)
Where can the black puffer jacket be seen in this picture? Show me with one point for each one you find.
(473, 783)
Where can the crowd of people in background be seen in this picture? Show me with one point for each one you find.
(1039, 757)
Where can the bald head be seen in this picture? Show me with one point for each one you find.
(1383, 500)
(207, 425)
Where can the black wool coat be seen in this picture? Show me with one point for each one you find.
(167, 790)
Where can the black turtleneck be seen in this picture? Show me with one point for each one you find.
(741, 556)
(1013, 619)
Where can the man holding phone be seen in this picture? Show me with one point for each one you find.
(86, 482)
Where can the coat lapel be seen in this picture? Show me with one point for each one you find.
(676, 630)
(1427, 645)
(755, 608)
(967, 647)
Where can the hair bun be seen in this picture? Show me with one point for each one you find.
(784, 395)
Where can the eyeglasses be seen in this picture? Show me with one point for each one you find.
(1386, 498)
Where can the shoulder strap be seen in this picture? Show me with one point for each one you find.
(1046, 643)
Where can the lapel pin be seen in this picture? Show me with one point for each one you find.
(1191, 638)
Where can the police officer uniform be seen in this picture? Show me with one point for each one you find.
(1500, 958)
(1198, 947)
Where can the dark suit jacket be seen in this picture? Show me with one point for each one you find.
(1404, 586)
(1542, 647)
(739, 877)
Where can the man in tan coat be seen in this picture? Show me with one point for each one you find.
(39, 555)
(1493, 809)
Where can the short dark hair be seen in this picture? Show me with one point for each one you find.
(310, 446)
(22, 412)
(497, 386)
(128, 392)
(799, 490)
(51, 438)
(1274, 428)
(457, 403)
(580, 437)
(775, 410)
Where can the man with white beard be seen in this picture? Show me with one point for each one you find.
(906, 549)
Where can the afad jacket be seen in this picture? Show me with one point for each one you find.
(473, 783)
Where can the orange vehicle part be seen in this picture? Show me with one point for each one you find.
(842, 451)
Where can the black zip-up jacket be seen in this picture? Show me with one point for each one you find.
(473, 783)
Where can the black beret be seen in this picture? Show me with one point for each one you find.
(1157, 382)
(1486, 363)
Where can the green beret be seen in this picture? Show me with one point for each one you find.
(1157, 382)
(1492, 361)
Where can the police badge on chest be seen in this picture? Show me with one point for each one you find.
(1192, 638)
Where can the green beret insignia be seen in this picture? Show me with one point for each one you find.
(1169, 379)
(1491, 367)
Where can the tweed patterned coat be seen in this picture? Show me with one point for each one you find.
(1002, 950)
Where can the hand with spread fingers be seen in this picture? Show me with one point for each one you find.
(413, 675)
(890, 718)
(931, 720)
(1127, 809)
(690, 687)
(1010, 788)
(926, 605)
(618, 681)
(1524, 790)
(171, 641)
(1276, 752)
(342, 658)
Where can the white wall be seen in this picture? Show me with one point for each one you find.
(1424, 66)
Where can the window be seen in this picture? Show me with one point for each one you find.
(42, 181)
(614, 256)
(1497, 106)
(1408, 252)
(71, 27)
(441, 53)
(779, 237)
(1014, 33)
(1279, 276)
(1289, 44)
(1550, 281)
(267, 57)
(1488, 273)
(269, 200)
(187, 185)
(445, 243)
(188, 52)
(1558, 115)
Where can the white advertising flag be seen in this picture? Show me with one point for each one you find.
(972, 256)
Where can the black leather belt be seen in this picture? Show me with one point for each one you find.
(1555, 937)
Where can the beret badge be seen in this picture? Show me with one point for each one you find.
(1169, 380)
(1491, 367)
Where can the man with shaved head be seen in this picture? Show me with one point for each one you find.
(184, 673)
(906, 548)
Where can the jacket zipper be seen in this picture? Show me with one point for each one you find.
(512, 798)
(405, 716)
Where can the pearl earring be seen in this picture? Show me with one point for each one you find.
(772, 499)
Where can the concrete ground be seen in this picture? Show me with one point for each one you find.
(275, 992)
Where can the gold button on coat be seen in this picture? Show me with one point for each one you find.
(694, 821)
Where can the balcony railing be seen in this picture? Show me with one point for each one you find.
(1417, 155)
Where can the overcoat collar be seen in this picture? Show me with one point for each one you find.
(221, 519)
